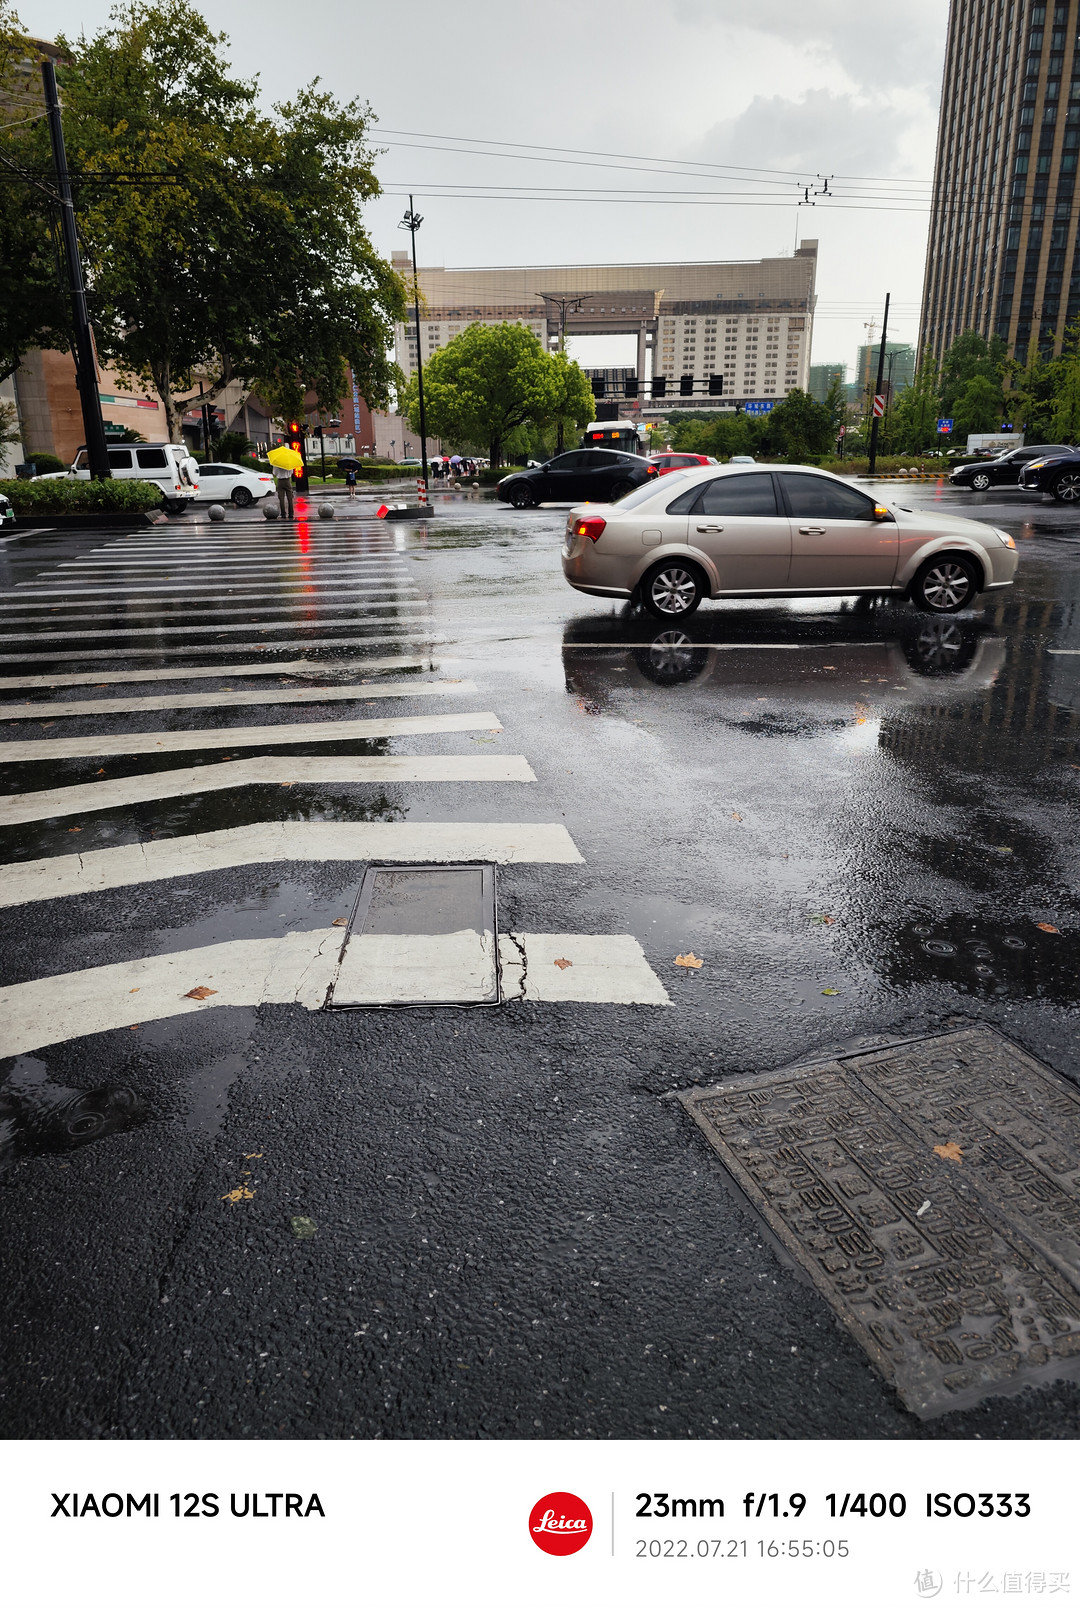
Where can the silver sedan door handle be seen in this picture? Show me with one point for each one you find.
(710, 527)
(811, 530)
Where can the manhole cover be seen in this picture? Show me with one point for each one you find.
(932, 1193)
(420, 935)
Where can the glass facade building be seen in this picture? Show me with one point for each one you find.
(1002, 256)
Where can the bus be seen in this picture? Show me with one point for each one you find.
(619, 435)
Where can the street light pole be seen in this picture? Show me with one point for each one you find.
(412, 222)
(85, 361)
(565, 304)
(877, 391)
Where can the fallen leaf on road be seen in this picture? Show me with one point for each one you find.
(200, 993)
(74, 828)
(133, 990)
(562, 964)
(828, 667)
(823, 921)
(483, 739)
(340, 921)
(254, 1155)
(1044, 926)
(134, 1027)
(830, 991)
(288, 784)
(239, 1193)
(998, 849)
(304, 1227)
(45, 724)
(735, 816)
(100, 772)
(949, 1152)
(691, 961)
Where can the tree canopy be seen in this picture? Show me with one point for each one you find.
(218, 237)
(492, 382)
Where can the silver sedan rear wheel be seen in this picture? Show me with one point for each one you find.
(945, 585)
(672, 590)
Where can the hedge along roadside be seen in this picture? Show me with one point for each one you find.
(81, 496)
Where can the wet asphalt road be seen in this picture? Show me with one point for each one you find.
(517, 1233)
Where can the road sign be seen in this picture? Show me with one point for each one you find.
(879, 407)
(944, 427)
(759, 407)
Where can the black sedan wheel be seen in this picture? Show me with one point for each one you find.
(522, 497)
(672, 590)
(945, 585)
(981, 481)
(1066, 487)
(242, 497)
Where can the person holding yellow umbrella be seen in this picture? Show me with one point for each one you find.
(283, 460)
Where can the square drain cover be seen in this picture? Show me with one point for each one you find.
(932, 1193)
(420, 935)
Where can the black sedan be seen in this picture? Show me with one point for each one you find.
(592, 475)
(1056, 470)
(1003, 471)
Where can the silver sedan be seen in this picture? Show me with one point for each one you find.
(781, 532)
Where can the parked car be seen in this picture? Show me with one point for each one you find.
(1056, 470)
(592, 474)
(741, 457)
(667, 461)
(231, 482)
(410, 463)
(1003, 470)
(7, 512)
(171, 468)
(792, 532)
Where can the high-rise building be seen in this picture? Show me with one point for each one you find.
(822, 376)
(1002, 255)
(899, 366)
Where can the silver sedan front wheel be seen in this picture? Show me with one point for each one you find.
(945, 585)
(672, 591)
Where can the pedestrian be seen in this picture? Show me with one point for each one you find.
(284, 478)
(455, 465)
(350, 483)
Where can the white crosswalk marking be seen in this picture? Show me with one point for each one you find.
(259, 599)
(268, 769)
(173, 742)
(232, 700)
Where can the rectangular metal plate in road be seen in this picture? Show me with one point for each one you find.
(421, 935)
(931, 1191)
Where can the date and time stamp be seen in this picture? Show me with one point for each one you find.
(669, 1526)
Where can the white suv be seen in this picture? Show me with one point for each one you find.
(168, 466)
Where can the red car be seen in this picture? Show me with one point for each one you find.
(667, 461)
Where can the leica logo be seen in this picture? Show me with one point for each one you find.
(560, 1523)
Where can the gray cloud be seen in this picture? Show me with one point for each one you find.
(821, 132)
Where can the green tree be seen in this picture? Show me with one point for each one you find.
(219, 238)
(800, 427)
(492, 382)
(837, 403)
(979, 406)
(1065, 424)
(969, 357)
(914, 415)
(718, 437)
(34, 307)
(1033, 394)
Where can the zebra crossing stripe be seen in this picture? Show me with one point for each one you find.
(267, 770)
(409, 636)
(193, 672)
(268, 842)
(355, 693)
(218, 627)
(294, 969)
(220, 606)
(172, 742)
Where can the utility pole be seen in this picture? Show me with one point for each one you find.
(877, 390)
(565, 304)
(85, 363)
(412, 222)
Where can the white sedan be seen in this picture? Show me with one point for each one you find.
(231, 482)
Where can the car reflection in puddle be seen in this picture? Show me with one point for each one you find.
(806, 661)
(40, 1118)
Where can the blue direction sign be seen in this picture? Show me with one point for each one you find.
(944, 427)
(759, 407)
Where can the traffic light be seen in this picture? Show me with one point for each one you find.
(295, 438)
(659, 385)
(599, 388)
(686, 385)
(716, 385)
(630, 387)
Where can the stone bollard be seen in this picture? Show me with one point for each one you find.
(270, 510)
(326, 510)
(216, 513)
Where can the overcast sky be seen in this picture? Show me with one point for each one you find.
(791, 88)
